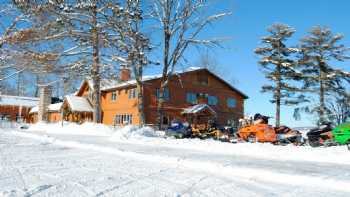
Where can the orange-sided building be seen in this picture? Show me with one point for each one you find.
(186, 89)
(16, 108)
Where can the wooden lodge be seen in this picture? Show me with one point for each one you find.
(186, 90)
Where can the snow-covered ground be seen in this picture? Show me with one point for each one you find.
(90, 160)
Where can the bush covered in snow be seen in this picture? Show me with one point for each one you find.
(88, 128)
(134, 132)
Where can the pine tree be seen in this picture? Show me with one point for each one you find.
(278, 65)
(319, 50)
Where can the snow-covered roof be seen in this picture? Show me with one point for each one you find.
(107, 84)
(198, 108)
(18, 101)
(52, 108)
(55, 107)
(78, 104)
(34, 110)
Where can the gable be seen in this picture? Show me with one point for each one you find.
(228, 85)
(84, 89)
(204, 77)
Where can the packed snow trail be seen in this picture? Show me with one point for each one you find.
(34, 164)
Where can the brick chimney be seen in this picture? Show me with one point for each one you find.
(124, 74)
(44, 102)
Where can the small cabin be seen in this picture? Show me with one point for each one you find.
(16, 108)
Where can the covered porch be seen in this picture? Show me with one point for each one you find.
(199, 116)
(77, 109)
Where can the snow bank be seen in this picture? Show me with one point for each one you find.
(147, 136)
(134, 132)
(70, 128)
(336, 154)
(212, 167)
(114, 134)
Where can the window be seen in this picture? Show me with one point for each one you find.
(191, 98)
(132, 93)
(212, 100)
(123, 119)
(114, 96)
(231, 102)
(166, 94)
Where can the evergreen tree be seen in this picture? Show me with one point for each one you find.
(319, 50)
(278, 65)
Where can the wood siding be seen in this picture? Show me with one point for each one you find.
(200, 81)
(123, 105)
(11, 112)
(188, 82)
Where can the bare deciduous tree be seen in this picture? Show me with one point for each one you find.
(181, 24)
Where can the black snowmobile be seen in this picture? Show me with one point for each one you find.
(286, 135)
(321, 136)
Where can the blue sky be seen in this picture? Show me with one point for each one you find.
(248, 24)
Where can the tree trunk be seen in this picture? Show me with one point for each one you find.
(166, 51)
(160, 107)
(19, 87)
(278, 97)
(322, 94)
(278, 110)
(322, 101)
(95, 67)
(138, 70)
(140, 105)
(38, 81)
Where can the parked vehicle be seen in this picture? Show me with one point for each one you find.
(341, 134)
(178, 129)
(321, 136)
(286, 135)
(258, 131)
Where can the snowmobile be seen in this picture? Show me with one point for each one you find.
(178, 130)
(341, 134)
(286, 135)
(321, 136)
(258, 131)
(211, 130)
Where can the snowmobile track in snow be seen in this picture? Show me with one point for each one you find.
(61, 166)
(212, 167)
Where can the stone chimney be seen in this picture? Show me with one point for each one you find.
(44, 102)
(124, 74)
